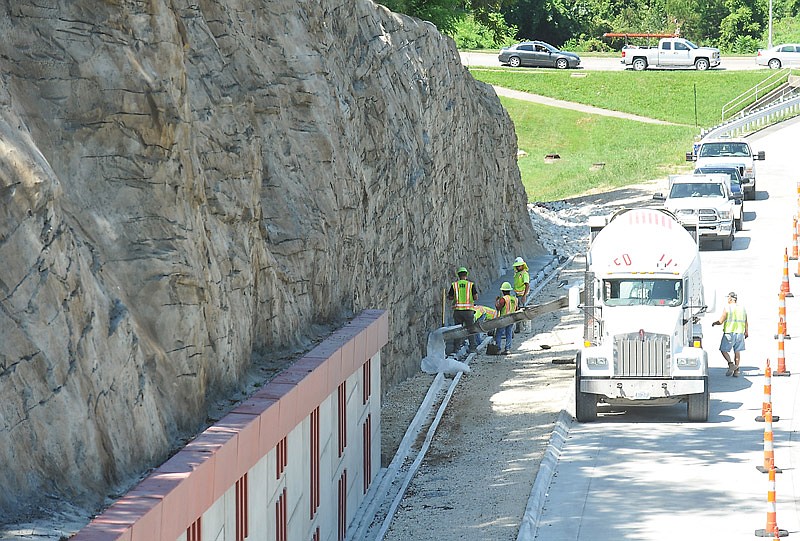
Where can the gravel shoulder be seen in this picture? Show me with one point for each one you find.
(476, 479)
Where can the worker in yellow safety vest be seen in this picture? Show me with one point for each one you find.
(506, 303)
(734, 331)
(522, 281)
(464, 295)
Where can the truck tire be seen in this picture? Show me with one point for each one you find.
(727, 242)
(639, 64)
(697, 404)
(514, 62)
(701, 64)
(737, 223)
(585, 403)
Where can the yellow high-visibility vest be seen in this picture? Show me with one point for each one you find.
(462, 298)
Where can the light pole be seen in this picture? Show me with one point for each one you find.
(769, 33)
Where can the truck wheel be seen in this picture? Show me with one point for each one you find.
(701, 64)
(585, 403)
(738, 223)
(697, 405)
(514, 62)
(727, 242)
(639, 64)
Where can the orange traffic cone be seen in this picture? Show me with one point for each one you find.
(785, 280)
(781, 371)
(772, 514)
(769, 449)
(794, 238)
(782, 330)
(766, 405)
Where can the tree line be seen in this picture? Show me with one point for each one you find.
(735, 26)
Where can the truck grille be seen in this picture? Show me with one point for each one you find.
(693, 216)
(642, 354)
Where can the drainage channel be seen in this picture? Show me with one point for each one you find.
(375, 515)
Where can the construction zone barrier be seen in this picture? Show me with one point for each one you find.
(782, 328)
(781, 370)
(794, 239)
(771, 528)
(766, 405)
(785, 289)
(769, 449)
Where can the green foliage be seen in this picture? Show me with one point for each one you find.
(469, 33)
(586, 45)
(739, 23)
(443, 13)
(745, 45)
(786, 30)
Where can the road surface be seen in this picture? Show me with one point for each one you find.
(593, 63)
(648, 474)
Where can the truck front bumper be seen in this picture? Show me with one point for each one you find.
(642, 389)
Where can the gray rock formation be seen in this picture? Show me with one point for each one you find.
(188, 188)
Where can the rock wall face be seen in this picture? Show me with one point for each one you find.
(187, 186)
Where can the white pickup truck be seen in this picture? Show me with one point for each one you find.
(671, 53)
(702, 203)
(729, 151)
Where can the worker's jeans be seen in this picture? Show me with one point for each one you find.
(466, 317)
(508, 333)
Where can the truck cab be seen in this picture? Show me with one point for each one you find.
(671, 53)
(643, 298)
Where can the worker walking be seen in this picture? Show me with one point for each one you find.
(734, 331)
(464, 295)
(522, 286)
(505, 304)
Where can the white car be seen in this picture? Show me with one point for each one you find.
(779, 56)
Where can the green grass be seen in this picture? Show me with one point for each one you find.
(631, 151)
(666, 95)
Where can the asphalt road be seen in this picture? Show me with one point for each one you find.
(647, 474)
(592, 63)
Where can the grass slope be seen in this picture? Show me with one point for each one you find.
(631, 151)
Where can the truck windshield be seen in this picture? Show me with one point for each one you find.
(634, 292)
(695, 189)
(713, 150)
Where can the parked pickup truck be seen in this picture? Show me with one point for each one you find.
(729, 151)
(703, 202)
(671, 53)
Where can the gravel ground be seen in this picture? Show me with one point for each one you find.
(475, 481)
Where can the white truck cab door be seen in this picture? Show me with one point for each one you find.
(681, 54)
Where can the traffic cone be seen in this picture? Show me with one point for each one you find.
(781, 371)
(772, 518)
(794, 238)
(766, 405)
(769, 449)
(782, 330)
(785, 280)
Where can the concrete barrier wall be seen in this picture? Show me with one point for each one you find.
(252, 475)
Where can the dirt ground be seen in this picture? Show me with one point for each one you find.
(477, 477)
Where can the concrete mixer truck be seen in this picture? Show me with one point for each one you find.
(642, 302)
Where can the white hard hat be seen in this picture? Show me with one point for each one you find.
(519, 261)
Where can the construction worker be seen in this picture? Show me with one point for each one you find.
(734, 331)
(464, 295)
(522, 286)
(522, 281)
(483, 313)
(506, 303)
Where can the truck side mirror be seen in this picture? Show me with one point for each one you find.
(573, 298)
(690, 157)
(659, 197)
(760, 156)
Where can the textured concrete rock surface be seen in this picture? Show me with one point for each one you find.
(192, 189)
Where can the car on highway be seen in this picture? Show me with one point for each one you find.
(779, 56)
(735, 185)
(538, 54)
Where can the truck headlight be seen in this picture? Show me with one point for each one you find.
(748, 172)
(596, 362)
(725, 214)
(687, 362)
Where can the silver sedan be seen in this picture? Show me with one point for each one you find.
(537, 54)
(779, 56)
